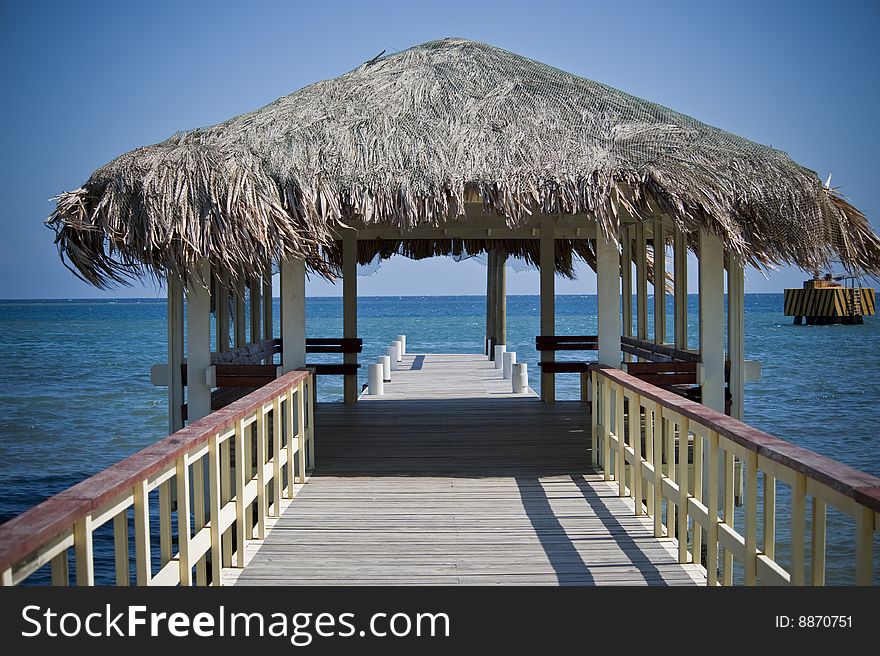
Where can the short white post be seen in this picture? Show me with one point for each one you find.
(509, 359)
(376, 385)
(520, 378)
(385, 361)
(391, 353)
(499, 355)
(402, 340)
(398, 347)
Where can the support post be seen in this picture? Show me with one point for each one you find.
(293, 314)
(221, 311)
(680, 291)
(608, 286)
(256, 289)
(642, 281)
(501, 298)
(711, 284)
(659, 282)
(548, 298)
(626, 282)
(239, 322)
(349, 308)
(175, 354)
(736, 332)
(267, 301)
(491, 305)
(198, 345)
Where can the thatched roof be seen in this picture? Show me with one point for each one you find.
(406, 139)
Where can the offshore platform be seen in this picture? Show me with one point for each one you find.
(830, 300)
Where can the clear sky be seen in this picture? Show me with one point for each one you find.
(83, 82)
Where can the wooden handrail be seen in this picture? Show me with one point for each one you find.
(836, 475)
(645, 438)
(25, 535)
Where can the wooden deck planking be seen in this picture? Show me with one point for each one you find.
(473, 486)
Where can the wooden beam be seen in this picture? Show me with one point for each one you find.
(256, 294)
(641, 281)
(711, 262)
(548, 301)
(680, 291)
(626, 282)
(349, 308)
(267, 301)
(293, 314)
(608, 286)
(659, 238)
(198, 346)
(175, 354)
(736, 332)
(221, 310)
(501, 299)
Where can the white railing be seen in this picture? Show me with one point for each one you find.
(222, 477)
(641, 431)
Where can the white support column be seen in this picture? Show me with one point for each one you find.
(198, 347)
(267, 301)
(680, 298)
(293, 314)
(239, 320)
(711, 262)
(641, 281)
(349, 307)
(547, 250)
(659, 282)
(256, 293)
(736, 332)
(175, 353)
(626, 283)
(608, 285)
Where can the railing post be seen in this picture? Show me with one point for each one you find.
(143, 568)
(712, 533)
(594, 422)
(291, 451)
(769, 516)
(302, 404)
(683, 510)
(864, 546)
(60, 570)
(727, 562)
(606, 428)
(240, 532)
(183, 515)
(165, 522)
(667, 426)
(751, 563)
(657, 450)
(120, 549)
(620, 472)
(798, 528)
(198, 490)
(697, 485)
(225, 464)
(817, 543)
(214, 504)
(84, 552)
(261, 466)
(635, 439)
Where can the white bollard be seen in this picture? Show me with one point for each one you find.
(509, 359)
(520, 378)
(499, 355)
(397, 354)
(402, 340)
(385, 361)
(391, 352)
(375, 386)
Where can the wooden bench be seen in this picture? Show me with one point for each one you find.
(335, 345)
(569, 343)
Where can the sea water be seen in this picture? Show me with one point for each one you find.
(75, 392)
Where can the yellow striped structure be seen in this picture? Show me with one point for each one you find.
(831, 302)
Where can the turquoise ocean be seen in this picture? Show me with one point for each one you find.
(75, 392)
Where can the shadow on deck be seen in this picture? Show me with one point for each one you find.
(459, 491)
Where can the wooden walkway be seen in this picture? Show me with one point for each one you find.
(451, 479)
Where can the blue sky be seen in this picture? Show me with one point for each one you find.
(85, 82)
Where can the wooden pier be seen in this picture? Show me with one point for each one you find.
(449, 478)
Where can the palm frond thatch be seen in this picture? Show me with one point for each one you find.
(406, 139)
